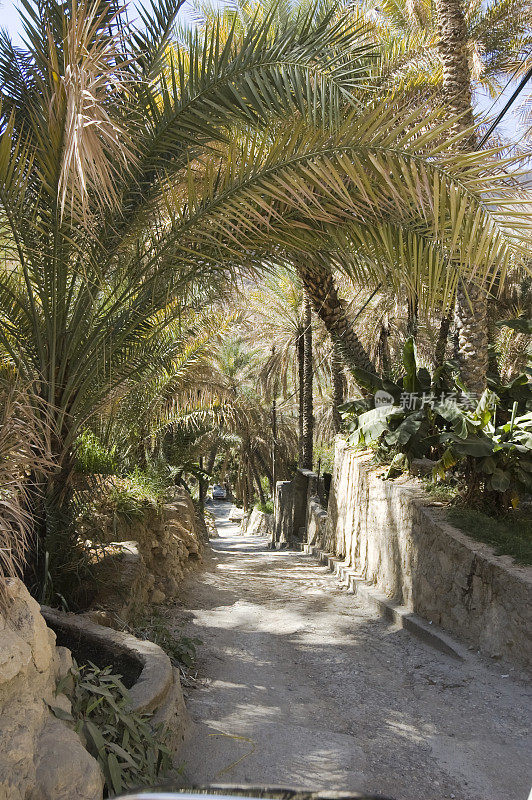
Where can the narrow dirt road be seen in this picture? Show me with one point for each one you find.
(300, 685)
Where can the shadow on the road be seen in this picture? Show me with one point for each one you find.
(354, 696)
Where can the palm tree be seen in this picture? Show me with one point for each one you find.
(497, 35)
(318, 279)
(183, 389)
(306, 388)
(21, 437)
(492, 40)
(243, 425)
(446, 46)
(135, 178)
(338, 388)
(96, 147)
(471, 297)
(280, 314)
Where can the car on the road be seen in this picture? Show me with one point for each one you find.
(218, 492)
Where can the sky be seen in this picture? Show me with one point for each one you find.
(9, 17)
(509, 127)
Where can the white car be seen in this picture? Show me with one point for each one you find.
(218, 492)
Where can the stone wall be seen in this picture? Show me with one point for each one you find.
(394, 539)
(282, 514)
(290, 508)
(146, 558)
(41, 758)
(316, 521)
(257, 523)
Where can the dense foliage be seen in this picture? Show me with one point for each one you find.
(487, 440)
(148, 175)
(130, 751)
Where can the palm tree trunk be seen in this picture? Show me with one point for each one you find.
(318, 281)
(493, 332)
(441, 344)
(383, 347)
(412, 318)
(471, 319)
(211, 458)
(202, 489)
(308, 375)
(471, 300)
(338, 388)
(300, 344)
(262, 498)
(265, 467)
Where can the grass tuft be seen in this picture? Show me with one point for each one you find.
(509, 535)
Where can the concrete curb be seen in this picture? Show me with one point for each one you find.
(156, 678)
(398, 614)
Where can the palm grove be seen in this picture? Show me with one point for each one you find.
(199, 224)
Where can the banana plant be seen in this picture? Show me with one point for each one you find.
(488, 440)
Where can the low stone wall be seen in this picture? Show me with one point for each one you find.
(146, 558)
(316, 521)
(257, 523)
(156, 689)
(290, 508)
(282, 514)
(394, 539)
(41, 758)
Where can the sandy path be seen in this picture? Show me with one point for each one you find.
(310, 689)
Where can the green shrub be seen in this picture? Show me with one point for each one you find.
(509, 535)
(92, 457)
(133, 493)
(324, 454)
(484, 442)
(130, 752)
(266, 508)
(180, 649)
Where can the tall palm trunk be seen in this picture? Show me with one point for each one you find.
(441, 343)
(318, 280)
(300, 346)
(265, 467)
(202, 485)
(256, 476)
(471, 300)
(383, 346)
(212, 458)
(338, 388)
(308, 374)
(412, 321)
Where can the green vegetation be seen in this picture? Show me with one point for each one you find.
(324, 456)
(92, 458)
(266, 508)
(136, 490)
(190, 288)
(181, 649)
(485, 443)
(509, 535)
(130, 752)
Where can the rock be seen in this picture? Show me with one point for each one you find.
(422, 466)
(62, 662)
(62, 702)
(157, 596)
(41, 758)
(64, 769)
(148, 557)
